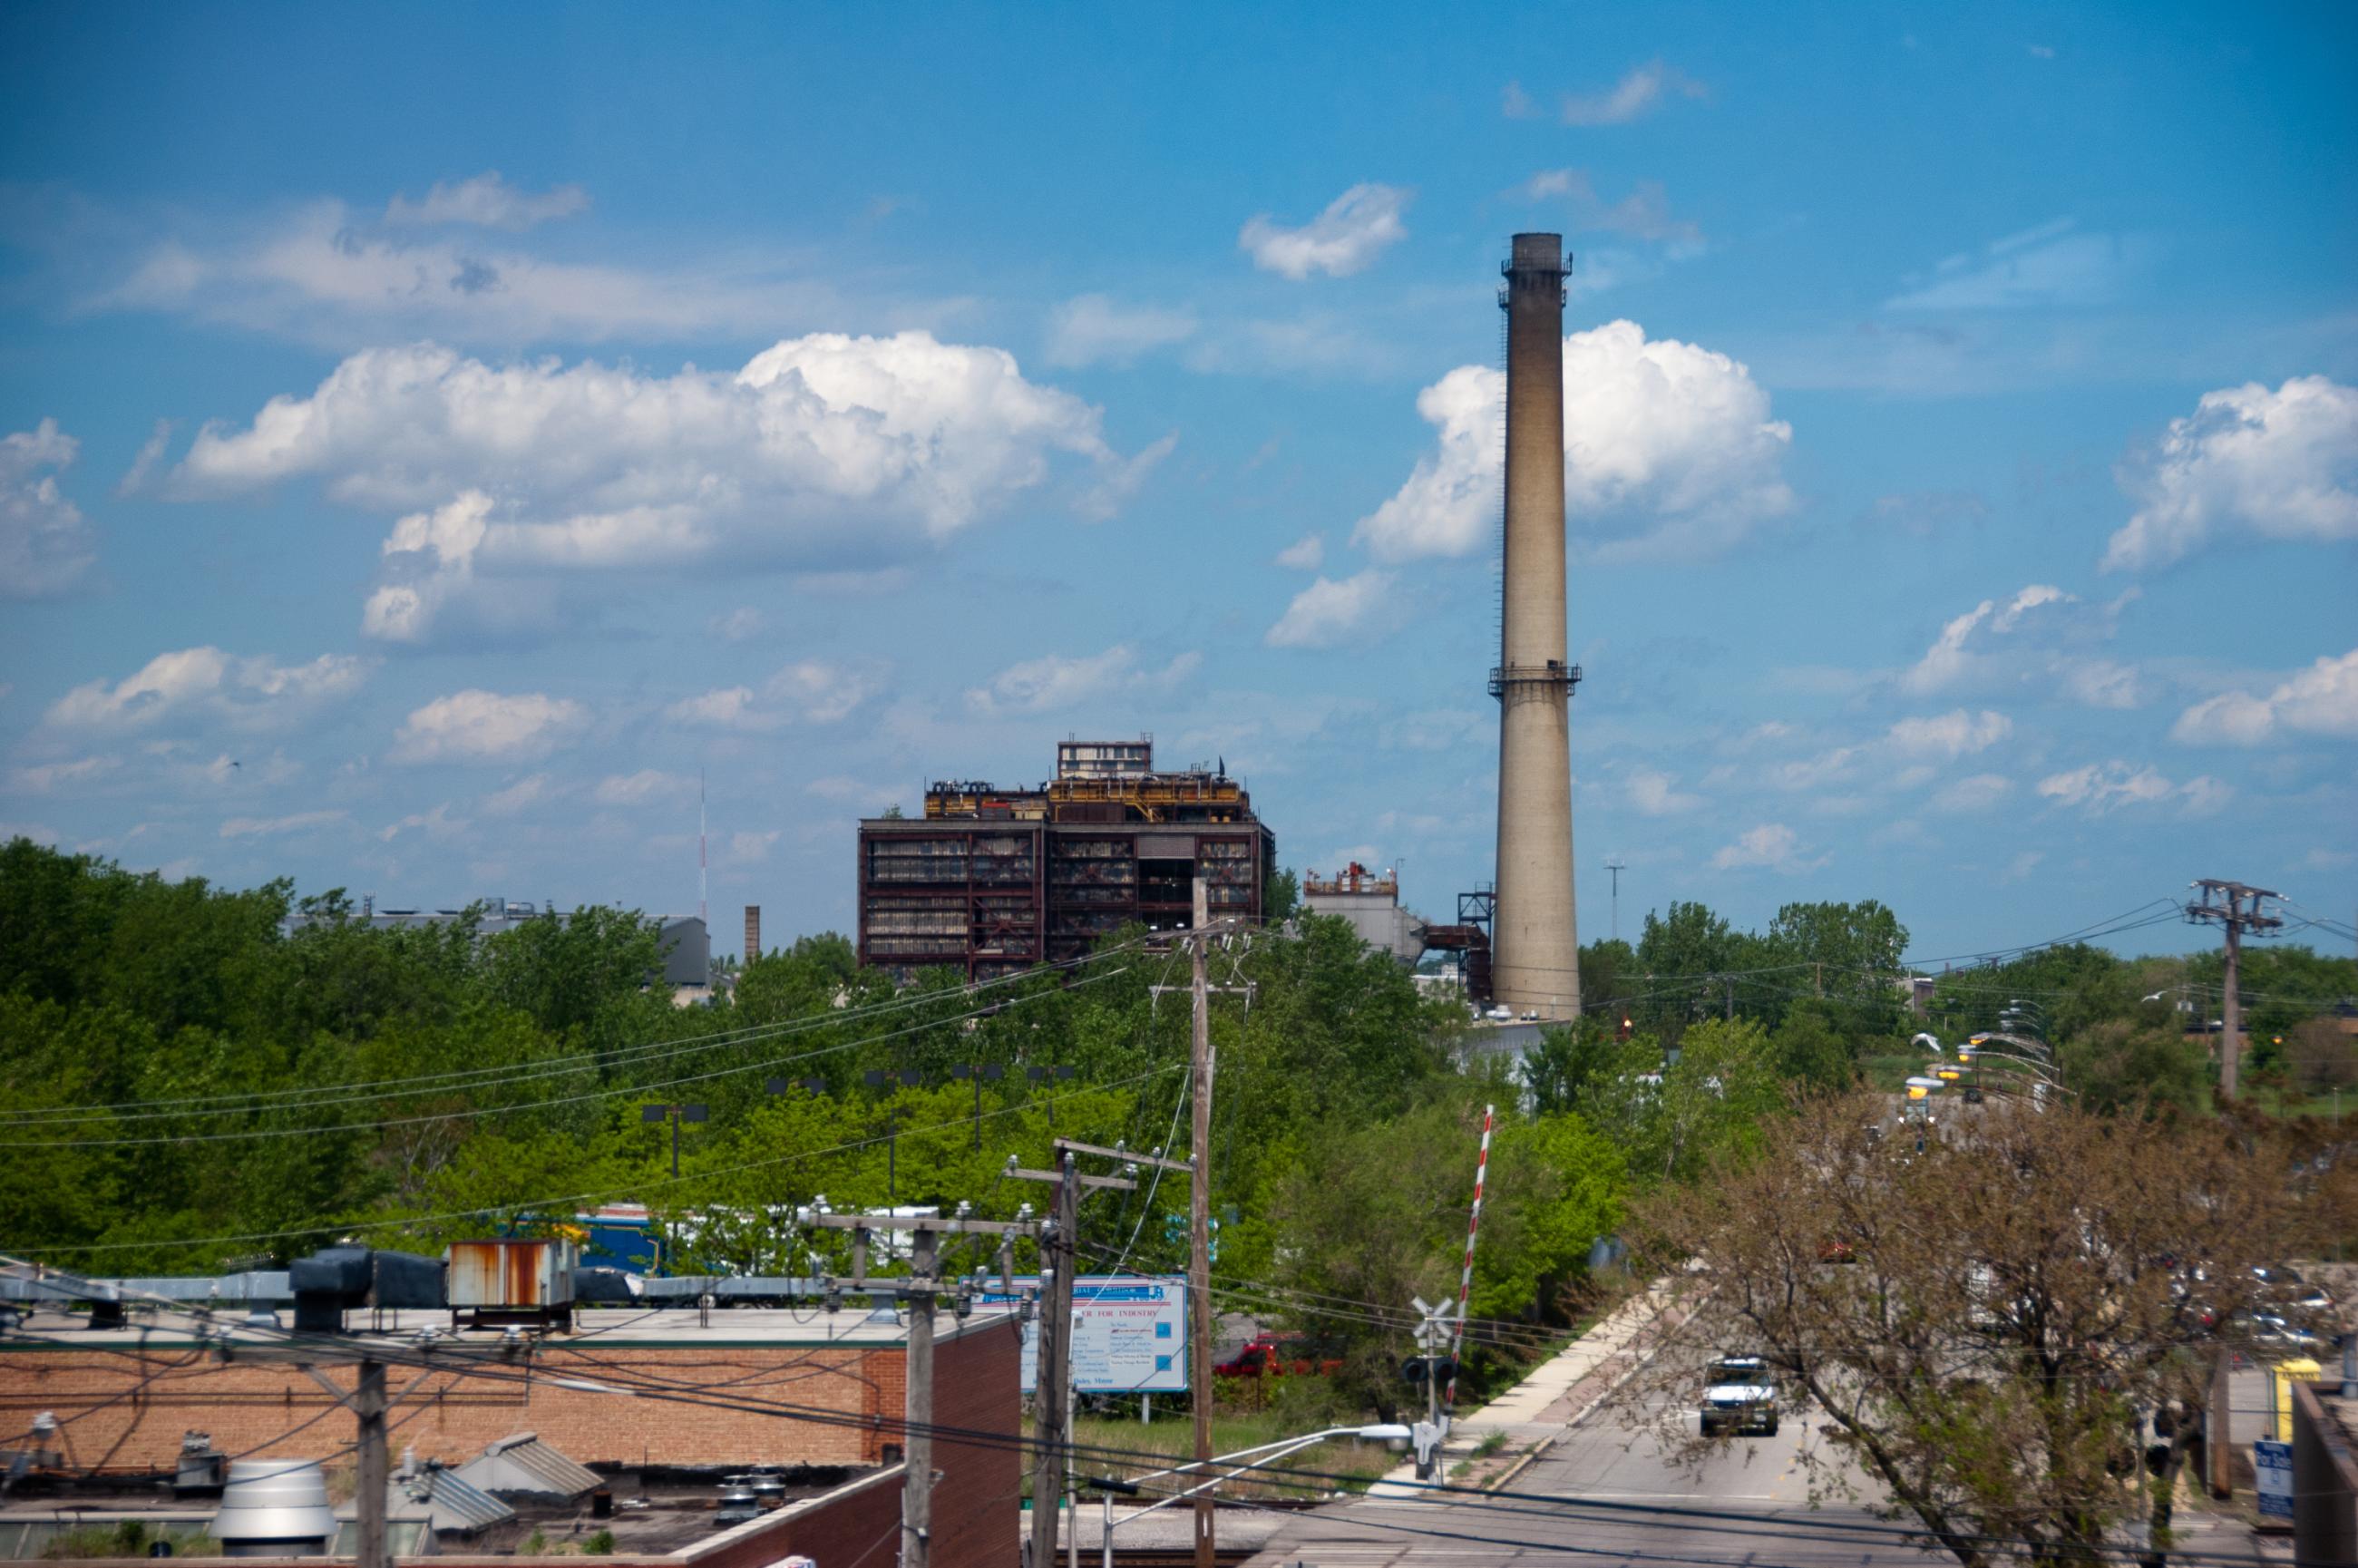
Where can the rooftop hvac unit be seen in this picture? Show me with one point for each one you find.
(274, 1507)
(335, 1279)
(511, 1281)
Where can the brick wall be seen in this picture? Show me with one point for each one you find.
(260, 1409)
(978, 1504)
(977, 1501)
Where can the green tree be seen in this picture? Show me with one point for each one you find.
(1713, 1101)
(1683, 954)
(1811, 1051)
(2121, 1063)
(1281, 896)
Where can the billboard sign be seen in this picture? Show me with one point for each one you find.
(1129, 1335)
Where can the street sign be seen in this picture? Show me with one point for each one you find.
(2272, 1462)
(1129, 1335)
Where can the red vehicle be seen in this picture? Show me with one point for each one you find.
(1271, 1354)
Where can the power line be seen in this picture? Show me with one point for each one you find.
(454, 1081)
(472, 1111)
(561, 1202)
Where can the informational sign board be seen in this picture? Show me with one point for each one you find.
(1129, 1335)
(2272, 1461)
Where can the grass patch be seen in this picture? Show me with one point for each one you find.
(1142, 1448)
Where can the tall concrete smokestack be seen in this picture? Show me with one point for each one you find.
(1535, 946)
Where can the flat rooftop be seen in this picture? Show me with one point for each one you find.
(651, 1327)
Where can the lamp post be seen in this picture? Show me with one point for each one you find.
(978, 1072)
(674, 1114)
(1254, 1458)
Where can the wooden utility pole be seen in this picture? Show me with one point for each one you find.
(917, 1427)
(918, 1289)
(2237, 908)
(1052, 1384)
(368, 1405)
(1053, 1363)
(1199, 1214)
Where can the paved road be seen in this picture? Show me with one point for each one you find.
(1626, 1473)
(1600, 1462)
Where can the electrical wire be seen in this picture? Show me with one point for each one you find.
(1648, 1515)
(484, 1077)
(599, 1195)
(596, 1095)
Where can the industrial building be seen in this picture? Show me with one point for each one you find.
(699, 1433)
(1370, 901)
(989, 881)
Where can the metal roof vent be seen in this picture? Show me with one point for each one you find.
(274, 1507)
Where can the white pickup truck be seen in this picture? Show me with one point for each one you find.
(1738, 1396)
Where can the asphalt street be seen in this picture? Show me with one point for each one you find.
(1629, 1486)
(1605, 1494)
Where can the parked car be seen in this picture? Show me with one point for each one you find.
(1740, 1396)
(1270, 1354)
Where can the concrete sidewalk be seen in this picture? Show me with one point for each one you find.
(1559, 1391)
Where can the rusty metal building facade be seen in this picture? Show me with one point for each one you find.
(991, 881)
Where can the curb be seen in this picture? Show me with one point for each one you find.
(1635, 1367)
(1520, 1465)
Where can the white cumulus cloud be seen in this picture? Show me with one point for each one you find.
(2042, 637)
(638, 788)
(2102, 787)
(1038, 686)
(2281, 464)
(823, 452)
(1948, 736)
(1669, 451)
(45, 545)
(1640, 89)
(477, 726)
(1304, 555)
(2320, 700)
(329, 274)
(1658, 794)
(808, 691)
(1355, 228)
(1976, 792)
(1331, 611)
(488, 201)
(203, 686)
(1771, 844)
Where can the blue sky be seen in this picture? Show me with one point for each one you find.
(429, 439)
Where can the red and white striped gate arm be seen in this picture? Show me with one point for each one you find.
(1466, 1277)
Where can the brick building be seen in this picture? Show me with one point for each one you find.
(989, 881)
(124, 1397)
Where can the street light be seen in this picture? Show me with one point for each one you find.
(674, 1114)
(1385, 1432)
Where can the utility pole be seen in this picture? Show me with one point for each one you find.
(1055, 1369)
(1199, 1215)
(1051, 1393)
(1617, 865)
(918, 1290)
(368, 1405)
(2237, 908)
(1199, 1204)
(917, 1428)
